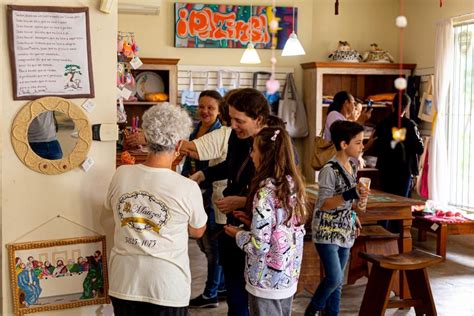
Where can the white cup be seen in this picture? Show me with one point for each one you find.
(362, 204)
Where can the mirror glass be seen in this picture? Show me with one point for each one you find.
(52, 135)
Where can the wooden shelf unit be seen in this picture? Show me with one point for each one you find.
(359, 79)
(167, 68)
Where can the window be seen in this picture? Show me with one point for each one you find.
(460, 119)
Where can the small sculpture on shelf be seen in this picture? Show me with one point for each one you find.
(344, 53)
(377, 55)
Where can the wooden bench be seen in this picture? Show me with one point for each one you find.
(414, 263)
(442, 230)
(376, 240)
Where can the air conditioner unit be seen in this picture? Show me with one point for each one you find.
(147, 7)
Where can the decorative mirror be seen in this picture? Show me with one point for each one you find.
(51, 135)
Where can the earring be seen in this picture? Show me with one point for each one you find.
(176, 154)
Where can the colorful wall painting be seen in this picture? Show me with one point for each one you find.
(200, 25)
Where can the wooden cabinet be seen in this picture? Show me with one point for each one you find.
(327, 78)
(167, 70)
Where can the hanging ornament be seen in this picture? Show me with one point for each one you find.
(401, 21)
(441, 3)
(336, 7)
(399, 133)
(272, 85)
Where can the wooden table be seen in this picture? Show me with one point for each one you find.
(383, 206)
(442, 230)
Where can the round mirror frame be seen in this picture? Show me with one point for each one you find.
(19, 135)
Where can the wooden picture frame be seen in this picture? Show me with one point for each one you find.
(21, 145)
(50, 52)
(77, 278)
(427, 107)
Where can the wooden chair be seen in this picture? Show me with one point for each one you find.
(373, 239)
(414, 263)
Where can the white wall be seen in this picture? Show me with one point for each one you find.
(29, 198)
(422, 16)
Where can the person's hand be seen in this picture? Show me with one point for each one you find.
(133, 140)
(230, 203)
(243, 217)
(358, 227)
(198, 177)
(363, 191)
(232, 230)
(365, 115)
(361, 162)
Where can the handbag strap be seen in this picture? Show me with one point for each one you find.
(255, 77)
(220, 84)
(191, 83)
(206, 84)
(337, 167)
(236, 80)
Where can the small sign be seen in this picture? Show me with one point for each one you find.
(136, 62)
(88, 106)
(125, 93)
(434, 227)
(87, 164)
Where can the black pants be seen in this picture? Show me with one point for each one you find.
(134, 308)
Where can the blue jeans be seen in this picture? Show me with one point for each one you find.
(210, 246)
(48, 150)
(328, 294)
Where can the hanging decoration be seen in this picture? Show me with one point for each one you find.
(399, 133)
(336, 7)
(293, 46)
(250, 55)
(272, 84)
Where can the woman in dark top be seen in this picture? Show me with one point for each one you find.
(249, 112)
(399, 164)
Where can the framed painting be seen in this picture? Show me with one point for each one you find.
(58, 274)
(50, 52)
(200, 25)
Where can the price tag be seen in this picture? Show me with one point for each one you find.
(434, 227)
(118, 93)
(87, 164)
(125, 93)
(88, 106)
(136, 62)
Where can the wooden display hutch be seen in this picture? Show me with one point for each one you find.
(360, 79)
(168, 71)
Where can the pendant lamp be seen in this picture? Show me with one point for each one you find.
(250, 55)
(293, 46)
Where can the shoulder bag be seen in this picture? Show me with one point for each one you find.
(292, 111)
(323, 151)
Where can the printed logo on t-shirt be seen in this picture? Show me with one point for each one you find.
(142, 212)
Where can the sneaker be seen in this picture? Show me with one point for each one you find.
(201, 301)
(310, 311)
(222, 294)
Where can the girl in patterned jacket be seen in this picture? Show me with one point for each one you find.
(274, 244)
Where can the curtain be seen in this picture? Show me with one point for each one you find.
(438, 178)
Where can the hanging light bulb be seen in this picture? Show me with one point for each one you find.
(250, 55)
(293, 46)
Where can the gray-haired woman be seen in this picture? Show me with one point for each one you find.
(155, 210)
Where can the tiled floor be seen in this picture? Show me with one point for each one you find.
(452, 282)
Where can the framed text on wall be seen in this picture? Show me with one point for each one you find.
(200, 25)
(50, 52)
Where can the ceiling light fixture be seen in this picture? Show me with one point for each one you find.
(250, 55)
(293, 46)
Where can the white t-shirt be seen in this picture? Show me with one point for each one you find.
(213, 147)
(152, 210)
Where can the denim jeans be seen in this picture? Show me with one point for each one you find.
(328, 294)
(210, 246)
(48, 150)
